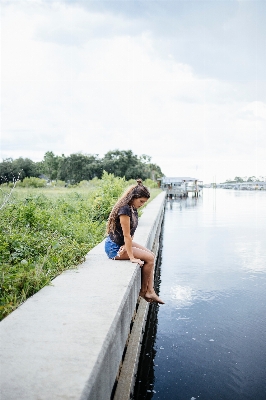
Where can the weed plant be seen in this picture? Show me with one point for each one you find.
(47, 230)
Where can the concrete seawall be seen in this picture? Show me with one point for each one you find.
(68, 340)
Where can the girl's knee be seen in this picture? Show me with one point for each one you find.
(151, 258)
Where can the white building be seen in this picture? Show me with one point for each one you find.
(180, 186)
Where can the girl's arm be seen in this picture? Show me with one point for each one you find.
(125, 224)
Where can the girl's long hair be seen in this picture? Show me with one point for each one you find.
(133, 192)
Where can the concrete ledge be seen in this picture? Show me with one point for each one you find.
(126, 381)
(127, 377)
(67, 341)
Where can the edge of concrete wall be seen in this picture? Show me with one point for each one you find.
(129, 367)
(67, 341)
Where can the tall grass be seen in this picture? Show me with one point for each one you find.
(47, 230)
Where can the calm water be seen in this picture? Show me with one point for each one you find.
(209, 340)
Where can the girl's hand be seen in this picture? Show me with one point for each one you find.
(122, 250)
(138, 261)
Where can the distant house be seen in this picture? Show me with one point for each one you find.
(180, 186)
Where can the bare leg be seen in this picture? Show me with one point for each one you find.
(139, 246)
(147, 272)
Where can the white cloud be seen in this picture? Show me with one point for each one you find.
(67, 89)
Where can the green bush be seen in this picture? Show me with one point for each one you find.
(41, 236)
(59, 183)
(8, 184)
(84, 184)
(150, 184)
(47, 230)
(32, 182)
(105, 196)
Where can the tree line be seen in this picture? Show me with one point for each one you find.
(78, 167)
(239, 179)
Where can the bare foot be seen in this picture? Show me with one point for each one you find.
(142, 294)
(151, 297)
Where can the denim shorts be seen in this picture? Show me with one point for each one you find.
(111, 248)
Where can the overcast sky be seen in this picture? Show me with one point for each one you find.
(182, 81)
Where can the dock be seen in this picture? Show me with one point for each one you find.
(180, 186)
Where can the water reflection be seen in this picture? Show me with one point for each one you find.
(250, 255)
(208, 341)
(188, 202)
(182, 295)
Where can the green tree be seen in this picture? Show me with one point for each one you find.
(124, 163)
(238, 179)
(120, 162)
(252, 179)
(50, 165)
(78, 167)
(6, 170)
(153, 171)
(27, 166)
(11, 169)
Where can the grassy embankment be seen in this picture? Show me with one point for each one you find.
(47, 230)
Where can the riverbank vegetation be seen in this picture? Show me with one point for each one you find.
(46, 230)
